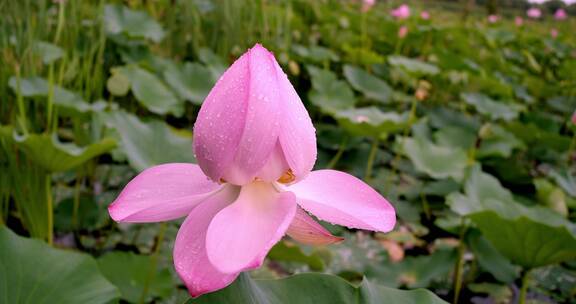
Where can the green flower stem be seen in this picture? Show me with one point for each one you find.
(571, 149)
(22, 121)
(394, 162)
(524, 288)
(50, 101)
(339, 153)
(371, 157)
(49, 209)
(362, 31)
(153, 263)
(425, 206)
(458, 273)
(61, 21)
(76, 202)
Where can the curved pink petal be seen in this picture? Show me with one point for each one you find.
(161, 193)
(221, 120)
(240, 236)
(297, 136)
(262, 119)
(190, 258)
(238, 124)
(306, 230)
(343, 199)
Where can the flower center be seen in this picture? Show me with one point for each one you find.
(287, 177)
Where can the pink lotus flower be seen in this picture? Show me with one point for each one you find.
(425, 15)
(367, 5)
(560, 14)
(534, 13)
(554, 33)
(402, 32)
(493, 18)
(519, 21)
(255, 145)
(402, 12)
(574, 118)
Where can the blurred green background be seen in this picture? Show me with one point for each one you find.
(462, 121)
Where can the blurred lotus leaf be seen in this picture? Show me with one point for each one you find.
(437, 161)
(528, 236)
(316, 54)
(328, 93)
(151, 143)
(413, 66)
(71, 103)
(133, 273)
(371, 86)
(371, 121)
(491, 108)
(48, 52)
(119, 19)
(191, 81)
(32, 270)
(50, 153)
(151, 92)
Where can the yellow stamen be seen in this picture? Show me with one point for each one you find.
(287, 177)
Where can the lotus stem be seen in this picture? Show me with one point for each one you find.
(524, 288)
(20, 102)
(371, 157)
(49, 209)
(76, 203)
(571, 148)
(153, 263)
(458, 273)
(339, 153)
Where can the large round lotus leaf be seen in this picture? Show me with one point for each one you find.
(529, 237)
(313, 288)
(434, 160)
(33, 272)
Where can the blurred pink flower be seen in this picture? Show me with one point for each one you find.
(574, 118)
(425, 15)
(560, 14)
(554, 33)
(367, 5)
(534, 13)
(493, 18)
(402, 12)
(255, 145)
(519, 21)
(402, 32)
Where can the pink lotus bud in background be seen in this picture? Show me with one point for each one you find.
(574, 118)
(367, 5)
(402, 32)
(554, 33)
(534, 13)
(560, 14)
(402, 12)
(493, 18)
(425, 15)
(519, 21)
